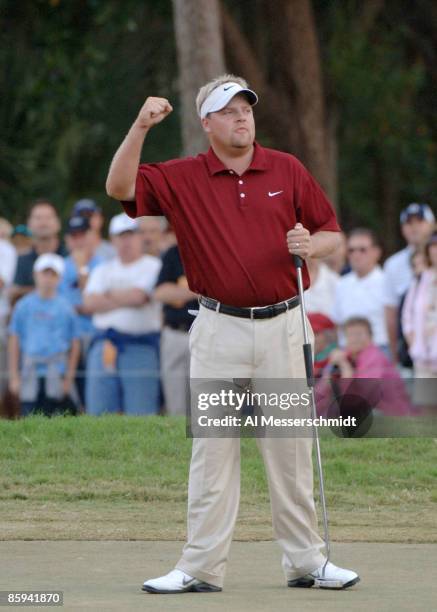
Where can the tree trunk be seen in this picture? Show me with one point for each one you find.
(304, 70)
(200, 58)
(274, 113)
(388, 198)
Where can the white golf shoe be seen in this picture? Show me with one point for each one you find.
(327, 576)
(178, 581)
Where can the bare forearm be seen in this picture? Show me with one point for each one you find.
(120, 183)
(300, 242)
(391, 321)
(14, 355)
(18, 291)
(173, 294)
(131, 298)
(122, 175)
(324, 243)
(73, 359)
(346, 370)
(98, 302)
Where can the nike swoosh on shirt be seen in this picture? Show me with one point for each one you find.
(273, 193)
(226, 88)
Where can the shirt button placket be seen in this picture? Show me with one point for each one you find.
(242, 194)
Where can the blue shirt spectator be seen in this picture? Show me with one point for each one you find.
(44, 326)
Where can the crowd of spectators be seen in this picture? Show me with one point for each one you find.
(374, 321)
(94, 325)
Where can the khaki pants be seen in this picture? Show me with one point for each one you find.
(175, 370)
(223, 346)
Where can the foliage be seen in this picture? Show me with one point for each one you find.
(74, 75)
(378, 81)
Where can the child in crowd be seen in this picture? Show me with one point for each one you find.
(325, 340)
(43, 342)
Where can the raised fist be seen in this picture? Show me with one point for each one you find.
(153, 111)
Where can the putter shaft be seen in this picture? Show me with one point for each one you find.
(310, 380)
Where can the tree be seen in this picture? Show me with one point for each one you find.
(200, 58)
(73, 76)
(290, 83)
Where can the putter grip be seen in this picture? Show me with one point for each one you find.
(298, 261)
(308, 357)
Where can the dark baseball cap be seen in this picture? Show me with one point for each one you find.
(421, 211)
(77, 224)
(84, 206)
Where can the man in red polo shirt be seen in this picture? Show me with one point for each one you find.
(238, 211)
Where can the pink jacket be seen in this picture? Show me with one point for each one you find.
(376, 379)
(424, 346)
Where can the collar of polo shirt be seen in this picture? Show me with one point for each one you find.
(220, 96)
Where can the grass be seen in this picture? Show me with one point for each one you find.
(126, 478)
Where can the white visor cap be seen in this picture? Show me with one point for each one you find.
(220, 96)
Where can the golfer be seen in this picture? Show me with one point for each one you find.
(238, 211)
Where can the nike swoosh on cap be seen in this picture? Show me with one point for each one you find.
(226, 88)
(273, 193)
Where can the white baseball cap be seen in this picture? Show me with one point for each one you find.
(122, 223)
(220, 96)
(49, 261)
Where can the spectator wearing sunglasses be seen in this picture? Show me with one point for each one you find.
(360, 293)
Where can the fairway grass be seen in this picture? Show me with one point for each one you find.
(126, 478)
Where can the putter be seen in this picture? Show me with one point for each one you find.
(308, 358)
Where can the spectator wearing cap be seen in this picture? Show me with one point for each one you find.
(43, 342)
(419, 324)
(8, 261)
(44, 224)
(21, 239)
(360, 292)
(88, 208)
(325, 340)
(123, 360)
(417, 223)
(321, 294)
(172, 290)
(78, 266)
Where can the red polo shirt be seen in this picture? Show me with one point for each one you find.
(231, 229)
